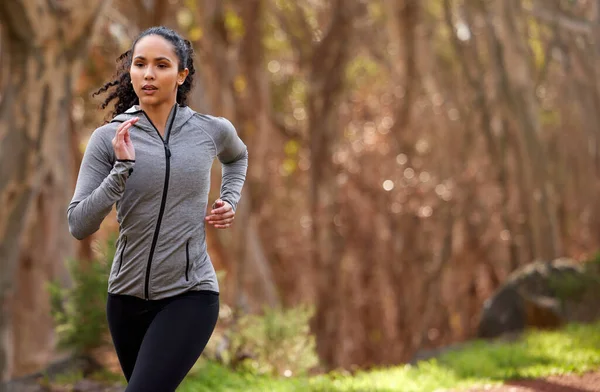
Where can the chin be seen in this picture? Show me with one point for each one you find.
(149, 101)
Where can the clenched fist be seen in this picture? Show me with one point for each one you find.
(122, 142)
(222, 215)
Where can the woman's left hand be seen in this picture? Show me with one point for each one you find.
(222, 215)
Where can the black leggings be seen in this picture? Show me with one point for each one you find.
(159, 341)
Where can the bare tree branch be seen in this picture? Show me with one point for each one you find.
(297, 38)
(289, 132)
(142, 12)
(581, 26)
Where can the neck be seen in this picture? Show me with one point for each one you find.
(158, 114)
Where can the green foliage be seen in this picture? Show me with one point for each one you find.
(69, 378)
(569, 286)
(572, 350)
(234, 24)
(572, 286)
(67, 381)
(595, 260)
(290, 164)
(536, 43)
(549, 117)
(362, 70)
(435, 9)
(79, 311)
(276, 342)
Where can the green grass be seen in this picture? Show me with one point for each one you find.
(575, 349)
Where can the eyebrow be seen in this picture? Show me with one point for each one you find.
(156, 59)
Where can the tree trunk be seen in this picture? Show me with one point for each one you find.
(510, 52)
(149, 15)
(253, 118)
(496, 148)
(328, 62)
(223, 62)
(44, 46)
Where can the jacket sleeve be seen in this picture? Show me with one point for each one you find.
(233, 155)
(100, 183)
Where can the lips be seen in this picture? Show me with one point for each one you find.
(149, 89)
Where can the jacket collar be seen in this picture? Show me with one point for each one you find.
(182, 115)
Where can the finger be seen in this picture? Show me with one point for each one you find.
(121, 128)
(116, 138)
(125, 123)
(132, 121)
(222, 226)
(221, 210)
(130, 125)
(220, 221)
(226, 214)
(225, 222)
(126, 137)
(220, 217)
(121, 134)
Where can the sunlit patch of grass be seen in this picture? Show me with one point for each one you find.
(575, 349)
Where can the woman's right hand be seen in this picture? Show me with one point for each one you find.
(122, 142)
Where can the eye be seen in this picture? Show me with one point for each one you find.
(162, 66)
(138, 65)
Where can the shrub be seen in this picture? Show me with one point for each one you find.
(79, 312)
(277, 342)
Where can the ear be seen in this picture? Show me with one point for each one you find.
(182, 75)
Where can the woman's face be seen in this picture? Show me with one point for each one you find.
(154, 71)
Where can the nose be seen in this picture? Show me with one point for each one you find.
(149, 74)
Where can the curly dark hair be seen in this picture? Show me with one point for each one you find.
(124, 93)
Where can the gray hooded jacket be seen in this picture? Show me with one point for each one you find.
(161, 199)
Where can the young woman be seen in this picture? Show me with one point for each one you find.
(153, 160)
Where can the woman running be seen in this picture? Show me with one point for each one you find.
(153, 159)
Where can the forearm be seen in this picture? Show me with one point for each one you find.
(233, 178)
(87, 211)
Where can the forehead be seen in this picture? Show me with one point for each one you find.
(152, 46)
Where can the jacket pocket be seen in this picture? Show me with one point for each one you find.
(121, 255)
(187, 260)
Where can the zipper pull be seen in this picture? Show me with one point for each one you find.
(167, 150)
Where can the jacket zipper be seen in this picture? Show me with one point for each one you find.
(163, 202)
(121, 256)
(187, 259)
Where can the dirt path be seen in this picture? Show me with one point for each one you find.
(589, 382)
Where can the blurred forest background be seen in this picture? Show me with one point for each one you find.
(405, 156)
